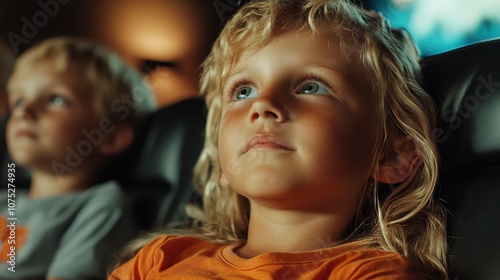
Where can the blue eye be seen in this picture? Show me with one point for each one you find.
(245, 92)
(57, 100)
(314, 88)
(19, 103)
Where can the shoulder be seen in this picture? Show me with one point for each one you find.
(102, 204)
(107, 193)
(162, 253)
(108, 188)
(369, 263)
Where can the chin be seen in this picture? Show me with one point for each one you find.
(266, 188)
(26, 160)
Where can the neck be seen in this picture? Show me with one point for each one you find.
(272, 230)
(47, 185)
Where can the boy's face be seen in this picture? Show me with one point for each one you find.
(295, 131)
(50, 110)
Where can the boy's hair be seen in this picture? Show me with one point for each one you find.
(405, 220)
(120, 92)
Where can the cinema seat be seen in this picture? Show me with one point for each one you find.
(465, 84)
(157, 173)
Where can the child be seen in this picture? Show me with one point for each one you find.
(319, 161)
(73, 109)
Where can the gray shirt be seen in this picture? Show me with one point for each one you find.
(73, 236)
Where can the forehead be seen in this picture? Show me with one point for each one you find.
(46, 73)
(327, 44)
(328, 47)
(57, 66)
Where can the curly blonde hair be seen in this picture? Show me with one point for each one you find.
(405, 220)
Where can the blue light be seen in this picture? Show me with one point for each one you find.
(441, 25)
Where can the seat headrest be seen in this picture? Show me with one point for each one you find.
(465, 83)
(166, 147)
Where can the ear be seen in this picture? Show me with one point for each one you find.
(117, 141)
(397, 165)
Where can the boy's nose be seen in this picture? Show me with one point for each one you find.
(267, 108)
(27, 111)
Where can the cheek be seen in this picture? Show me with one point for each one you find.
(10, 131)
(67, 127)
(360, 145)
(341, 142)
(226, 139)
(67, 131)
(232, 138)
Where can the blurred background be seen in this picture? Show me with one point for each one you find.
(168, 39)
(441, 25)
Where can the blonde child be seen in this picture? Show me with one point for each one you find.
(73, 110)
(319, 161)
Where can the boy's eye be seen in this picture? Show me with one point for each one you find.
(18, 103)
(57, 100)
(245, 92)
(314, 88)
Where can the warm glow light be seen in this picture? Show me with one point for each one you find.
(178, 33)
(160, 30)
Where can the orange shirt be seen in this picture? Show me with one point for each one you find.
(187, 258)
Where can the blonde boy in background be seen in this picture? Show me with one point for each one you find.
(73, 108)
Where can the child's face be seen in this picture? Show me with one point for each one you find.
(295, 130)
(50, 110)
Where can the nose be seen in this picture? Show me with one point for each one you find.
(26, 111)
(267, 108)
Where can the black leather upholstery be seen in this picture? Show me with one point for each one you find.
(157, 171)
(465, 84)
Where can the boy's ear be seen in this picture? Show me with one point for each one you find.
(396, 167)
(117, 141)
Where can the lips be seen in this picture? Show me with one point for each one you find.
(24, 133)
(267, 141)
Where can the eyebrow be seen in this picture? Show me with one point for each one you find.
(333, 67)
(329, 63)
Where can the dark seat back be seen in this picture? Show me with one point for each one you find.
(158, 170)
(465, 84)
